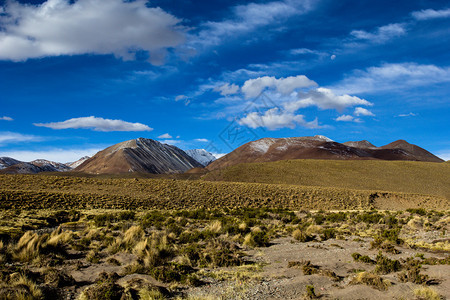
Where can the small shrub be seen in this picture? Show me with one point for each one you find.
(310, 292)
(300, 236)
(363, 258)
(328, 233)
(385, 265)
(417, 211)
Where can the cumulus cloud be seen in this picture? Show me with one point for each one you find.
(253, 87)
(348, 118)
(53, 154)
(14, 137)
(165, 136)
(274, 119)
(360, 111)
(5, 118)
(427, 14)
(324, 98)
(249, 17)
(63, 27)
(388, 77)
(381, 34)
(202, 140)
(97, 124)
(227, 89)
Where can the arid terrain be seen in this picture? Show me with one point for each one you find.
(224, 254)
(182, 237)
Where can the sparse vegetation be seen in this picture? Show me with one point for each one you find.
(154, 253)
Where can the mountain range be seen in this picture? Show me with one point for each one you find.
(149, 156)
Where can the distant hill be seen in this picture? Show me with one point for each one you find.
(139, 155)
(12, 166)
(76, 163)
(7, 161)
(394, 176)
(320, 147)
(201, 155)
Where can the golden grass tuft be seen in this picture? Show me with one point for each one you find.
(20, 288)
(215, 226)
(372, 280)
(146, 294)
(426, 293)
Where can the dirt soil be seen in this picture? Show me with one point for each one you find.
(278, 281)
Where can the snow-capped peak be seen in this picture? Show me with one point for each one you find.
(322, 138)
(201, 155)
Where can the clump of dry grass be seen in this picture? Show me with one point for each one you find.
(310, 269)
(426, 293)
(29, 246)
(20, 287)
(128, 241)
(372, 280)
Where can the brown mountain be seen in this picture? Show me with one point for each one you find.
(319, 147)
(139, 155)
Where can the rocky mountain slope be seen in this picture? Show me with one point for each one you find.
(320, 147)
(201, 155)
(7, 161)
(139, 155)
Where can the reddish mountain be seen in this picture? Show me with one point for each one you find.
(319, 147)
(139, 155)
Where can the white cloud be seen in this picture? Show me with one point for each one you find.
(345, 118)
(348, 118)
(171, 142)
(359, 111)
(202, 140)
(60, 27)
(274, 119)
(392, 77)
(411, 114)
(180, 97)
(324, 98)
(97, 124)
(253, 87)
(381, 34)
(249, 17)
(5, 118)
(227, 89)
(58, 155)
(14, 137)
(427, 14)
(165, 136)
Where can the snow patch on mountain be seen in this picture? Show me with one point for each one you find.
(75, 164)
(201, 155)
(262, 145)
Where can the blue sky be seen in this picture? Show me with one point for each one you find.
(78, 76)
